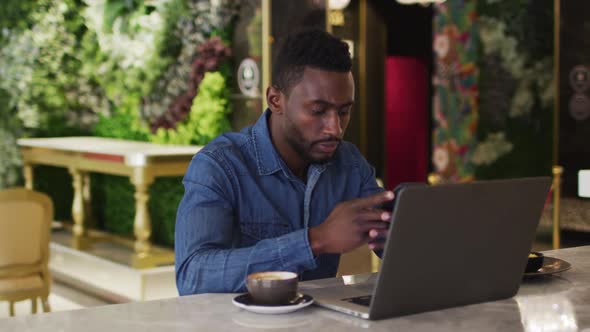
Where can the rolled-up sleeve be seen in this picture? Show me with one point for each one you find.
(207, 236)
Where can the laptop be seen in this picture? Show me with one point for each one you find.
(448, 245)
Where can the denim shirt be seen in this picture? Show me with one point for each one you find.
(244, 211)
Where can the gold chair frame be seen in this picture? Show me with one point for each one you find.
(41, 267)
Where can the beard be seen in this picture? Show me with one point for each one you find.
(304, 147)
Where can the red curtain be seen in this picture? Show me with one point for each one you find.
(406, 120)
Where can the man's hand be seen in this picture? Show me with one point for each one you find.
(352, 224)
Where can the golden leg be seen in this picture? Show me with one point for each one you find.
(557, 171)
(34, 305)
(78, 207)
(11, 309)
(45, 304)
(142, 226)
(28, 175)
(87, 197)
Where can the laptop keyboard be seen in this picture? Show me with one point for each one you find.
(364, 287)
(364, 300)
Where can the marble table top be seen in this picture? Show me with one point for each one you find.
(108, 146)
(551, 303)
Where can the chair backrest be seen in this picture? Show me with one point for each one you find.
(25, 223)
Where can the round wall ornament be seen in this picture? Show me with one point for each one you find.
(249, 77)
(580, 78)
(579, 107)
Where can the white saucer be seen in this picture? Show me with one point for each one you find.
(245, 302)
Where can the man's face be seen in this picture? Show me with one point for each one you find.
(316, 114)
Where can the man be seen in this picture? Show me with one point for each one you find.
(286, 193)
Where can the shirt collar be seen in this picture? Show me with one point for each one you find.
(267, 157)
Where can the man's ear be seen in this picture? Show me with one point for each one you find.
(274, 99)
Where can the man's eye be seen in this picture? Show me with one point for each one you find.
(344, 112)
(317, 112)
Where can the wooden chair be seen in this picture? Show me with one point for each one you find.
(25, 223)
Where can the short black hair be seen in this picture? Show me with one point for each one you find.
(308, 48)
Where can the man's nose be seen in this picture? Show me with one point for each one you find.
(332, 124)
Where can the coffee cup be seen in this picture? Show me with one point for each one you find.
(272, 287)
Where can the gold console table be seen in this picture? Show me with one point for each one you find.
(142, 162)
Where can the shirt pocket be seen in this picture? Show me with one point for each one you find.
(254, 231)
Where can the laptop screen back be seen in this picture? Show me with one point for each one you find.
(457, 244)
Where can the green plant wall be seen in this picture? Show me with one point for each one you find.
(113, 68)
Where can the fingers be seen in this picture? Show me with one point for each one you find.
(374, 215)
(367, 226)
(377, 238)
(377, 245)
(373, 200)
(378, 234)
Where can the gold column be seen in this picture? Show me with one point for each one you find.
(556, 56)
(28, 175)
(362, 58)
(266, 50)
(142, 226)
(557, 172)
(78, 207)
